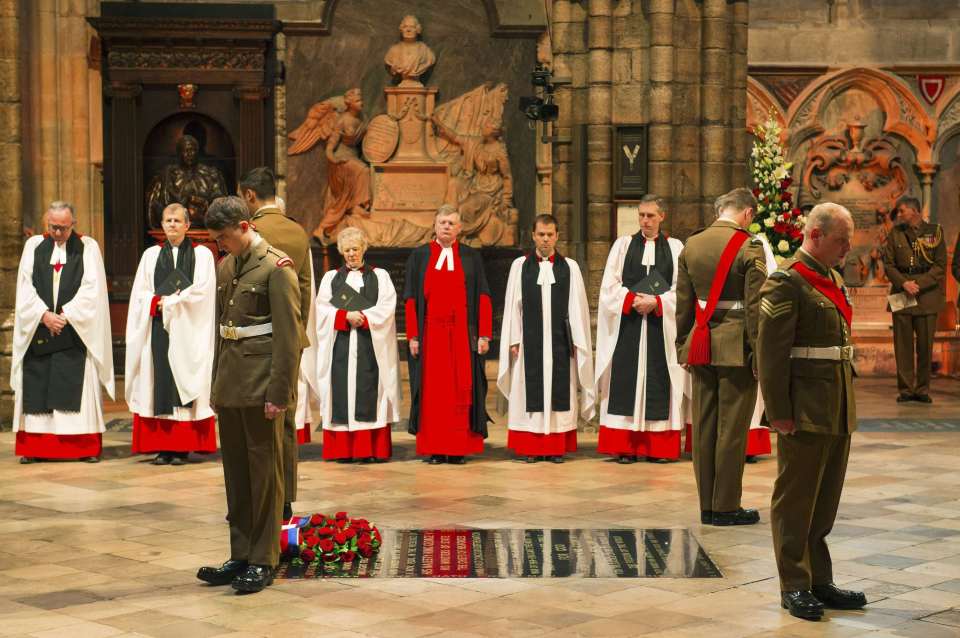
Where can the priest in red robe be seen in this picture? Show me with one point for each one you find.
(449, 321)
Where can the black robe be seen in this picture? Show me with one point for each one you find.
(476, 285)
(53, 367)
(165, 395)
(560, 336)
(368, 372)
(626, 354)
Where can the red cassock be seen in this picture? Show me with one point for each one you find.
(758, 441)
(447, 361)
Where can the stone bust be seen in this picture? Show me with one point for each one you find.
(187, 182)
(410, 58)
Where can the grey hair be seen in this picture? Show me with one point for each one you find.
(62, 205)
(824, 216)
(176, 206)
(651, 198)
(226, 211)
(349, 236)
(445, 210)
(738, 199)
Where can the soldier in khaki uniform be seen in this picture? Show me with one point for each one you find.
(254, 372)
(258, 188)
(915, 260)
(724, 390)
(804, 360)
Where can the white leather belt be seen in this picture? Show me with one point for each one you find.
(829, 353)
(723, 304)
(235, 333)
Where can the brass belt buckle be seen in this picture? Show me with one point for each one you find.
(230, 332)
(846, 353)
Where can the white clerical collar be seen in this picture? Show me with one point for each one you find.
(59, 254)
(545, 276)
(446, 255)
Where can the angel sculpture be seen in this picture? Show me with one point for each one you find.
(482, 184)
(339, 122)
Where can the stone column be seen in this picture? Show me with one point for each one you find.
(599, 140)
(280, 119)
(738, 59)
(11, 195)
(716, 101)
(661, 14)
(926, 170)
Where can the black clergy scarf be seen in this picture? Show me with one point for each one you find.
(368, 372)
(476, 284)
(165, 395)
(623, 368)
(54, 381)
(533, 334)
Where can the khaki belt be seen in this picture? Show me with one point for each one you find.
(829, 353)
(235, 333)
(723, 304)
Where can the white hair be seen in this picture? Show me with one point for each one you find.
(350, 236)
(824, 216)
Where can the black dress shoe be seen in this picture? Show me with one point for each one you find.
(922, 398)
(456, 460)
(254, 579)
(556, 459)
(90, 459)
(659, 461)
(27, 460)
(287, 511)
(706, 517)
(751, 459)
(161, 459)
(179, 459)
(904, 398)
(437, 459)
(532, 459)
(347, 460)
(224, 574)
(801, 604)
(739, 517)
(626, 460)
(833, 597)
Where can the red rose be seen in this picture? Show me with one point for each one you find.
(797, 212)
(340, 538)
(376, 534)
(326, 545)
(348, 556)
(341, 516)
(332, 557)
(350, 533)
(326, 531)
(365, 549)
(787, 197)
(312, 541)
(316, 520)
(756, 192)
(308, 555)
(365, 538)
(786, 182)
(796, 233)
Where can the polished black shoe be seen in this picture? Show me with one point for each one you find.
(179, 459)
(739, 517)
(437, 459)
(626, 460)
(254, 579)
(706, 517)
(833, 597)
(456, 460)
(904, 398)
(90, 459)
(287, 511)
(922, 398)
(533, 459)
(224, 574)
(556, 459)
(751, 459)
(659, 461)
(161, 459)
(801, 604)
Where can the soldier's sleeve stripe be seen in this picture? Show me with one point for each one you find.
(774, 310)
(761, 265)
(284, 261)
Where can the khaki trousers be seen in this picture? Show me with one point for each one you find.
(723, 402)
(913, 334)
(252, 473)
(806, 496)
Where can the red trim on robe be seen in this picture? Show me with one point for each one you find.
(359, 444)
(535, 444)
(340, 321)
(485, 317)
(58, 446)
(659, 310)
(153, 306)
(410, 309)
(628, 303)
(618, 442)
(303, 434)
(151, 435)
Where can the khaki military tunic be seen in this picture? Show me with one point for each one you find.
(918, 255)
(724, 392)
(255, 289)
(287, 236)
(817, 395)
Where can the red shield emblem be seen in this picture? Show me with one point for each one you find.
(931, 87)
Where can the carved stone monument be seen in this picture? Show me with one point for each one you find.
(416, 157)
(187, 182)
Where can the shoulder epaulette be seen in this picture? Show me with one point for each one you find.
(779, 274)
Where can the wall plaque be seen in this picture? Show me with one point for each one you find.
(630, 161)
(380, 139)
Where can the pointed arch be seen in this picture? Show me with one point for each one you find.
(760, 104)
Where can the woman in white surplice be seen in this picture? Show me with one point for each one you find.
(639, 381)
(358, 371)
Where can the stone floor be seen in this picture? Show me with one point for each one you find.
(112, 549)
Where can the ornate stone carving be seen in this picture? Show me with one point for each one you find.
(185, 59)
(187, 182)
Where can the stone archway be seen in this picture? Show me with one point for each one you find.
(760, 104)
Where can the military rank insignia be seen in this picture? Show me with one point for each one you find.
(774, 310)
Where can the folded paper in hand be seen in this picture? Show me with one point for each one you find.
(653, 284)
(901, 300)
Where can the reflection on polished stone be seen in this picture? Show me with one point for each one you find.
(530, 553)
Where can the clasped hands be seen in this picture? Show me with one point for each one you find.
(355, 318)
(911, 287)
(644, 304)
(55, 323)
